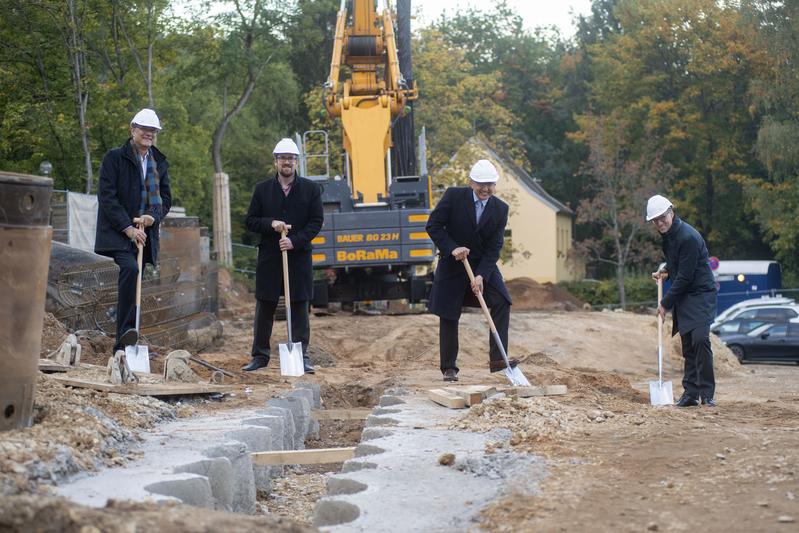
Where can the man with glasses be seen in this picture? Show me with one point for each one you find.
(691, 298)
(286, 202)
(468, 224)
(134, 184)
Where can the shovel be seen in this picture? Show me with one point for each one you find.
(515, 375)
(137, 355)
(291, 353)
(660, 392)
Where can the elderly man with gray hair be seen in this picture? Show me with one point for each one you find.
(691, 298)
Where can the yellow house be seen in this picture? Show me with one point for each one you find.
(539, 233)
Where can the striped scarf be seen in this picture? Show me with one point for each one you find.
(150, 194)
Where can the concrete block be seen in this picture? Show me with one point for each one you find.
(288, 424)
(362, 450)
(302, 393)
(256, 439)
(375, 433)
(301, 411)
(243, 476)
(379, 411)
(338, 485)
(220, 478)
(372, 421)
(315, 389)
(334, 512)
(387, 400)
(313, 425)
(354, 466)
(192, 490)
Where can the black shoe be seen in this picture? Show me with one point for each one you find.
(710, 402)
(306, 365)
(687, 401)
(450, 374)
(258, 361)
(129, 338)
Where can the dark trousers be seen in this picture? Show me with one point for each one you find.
(126, 292)
(448, 330)
(698, 379)
(264, 320)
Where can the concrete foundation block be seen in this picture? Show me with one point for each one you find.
(191, 490)
(388, 400)
(220, 477)
(334, 512)
(315, 389)
(243, 475)
(380, 411)
(339, 485)
(363, 450)
(301, 411)
(288, 424)
(372, 421)
(256, 439)
(375, 433)
(354, 466)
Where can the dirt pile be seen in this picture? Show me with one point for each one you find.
(53, 334)
(74, 430)
(233, 294)
(529, 295)
(40, 515)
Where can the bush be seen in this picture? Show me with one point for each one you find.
(639, 288)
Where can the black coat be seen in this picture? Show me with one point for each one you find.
(452, 224)
(119, 197)
(692, 294)
(302, 209)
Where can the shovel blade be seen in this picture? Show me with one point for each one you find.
(660, 393)
(516, 377)
(291, 359)
(138, 357)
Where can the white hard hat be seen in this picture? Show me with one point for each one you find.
(656, 206)
(147, 118)
(484, 172)
(286, 146)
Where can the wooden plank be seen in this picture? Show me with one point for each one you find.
(147, 389)
(529, 392)
(303, 457)
(447, 399)
(340, 414)
(470, 397)
(46, 365)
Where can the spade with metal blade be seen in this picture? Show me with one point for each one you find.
(290, 353)
(514, 374)
(660, 392)
(137, 355)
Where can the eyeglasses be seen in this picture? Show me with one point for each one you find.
(286, 157)
(485, 185)
(662, 218)
(146, 129)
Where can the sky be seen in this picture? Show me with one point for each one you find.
(535, 13)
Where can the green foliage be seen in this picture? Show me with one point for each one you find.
(641, 291)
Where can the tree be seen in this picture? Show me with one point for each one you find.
(620, 183)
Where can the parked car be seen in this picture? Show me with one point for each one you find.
(773, 314)
(769, 342)
(738, 325)
(735, 310)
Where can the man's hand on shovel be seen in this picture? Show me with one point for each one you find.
(136, 232)
(284, 243)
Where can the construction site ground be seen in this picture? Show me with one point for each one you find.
(612, 461)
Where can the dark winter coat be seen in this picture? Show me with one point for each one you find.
(119, 198)
(453, 223)
(302, 209)
(692, 294)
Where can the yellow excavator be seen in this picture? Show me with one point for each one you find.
(373, 245)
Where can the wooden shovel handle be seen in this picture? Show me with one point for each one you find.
(480, 297)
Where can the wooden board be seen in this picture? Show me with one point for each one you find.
(46, 365)
(473, 394)
(340, 414)
(303, 457)
(147, 389)
(529, 392)
(447, 399)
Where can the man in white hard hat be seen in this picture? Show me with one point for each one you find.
(468, 224)
(289, 202)
(133, 187)
(691, 298)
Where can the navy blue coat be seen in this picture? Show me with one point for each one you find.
(302, 209)
(453, 223)
(119, 198)
(692, 294)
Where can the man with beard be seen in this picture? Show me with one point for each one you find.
(691, 298)
(286, 202)
(133, 196)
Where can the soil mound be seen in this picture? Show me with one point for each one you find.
(529, 295)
